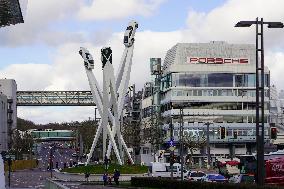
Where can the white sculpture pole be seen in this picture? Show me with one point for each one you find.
(97, 97)
(123, 76)
(2, 176)
(105, 103)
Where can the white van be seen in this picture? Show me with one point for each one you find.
(157, 169)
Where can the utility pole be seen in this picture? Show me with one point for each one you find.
(260, 90)
(181, 141)
(9, 173)
(208, 144)
(172, 151)
(51, 160)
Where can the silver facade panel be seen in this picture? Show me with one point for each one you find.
(3, 123)
(8, 87)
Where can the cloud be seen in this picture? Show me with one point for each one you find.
(40, 15)
(28, 76)
(117, 9)
(67, 71)
(44, 115)
(274, 60)
(218, 24)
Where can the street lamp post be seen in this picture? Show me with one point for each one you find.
(181, 141)
(208, 144)
(260, 89)
(172, 151)
(51, 148)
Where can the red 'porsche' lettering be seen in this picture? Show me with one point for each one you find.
(211, 60)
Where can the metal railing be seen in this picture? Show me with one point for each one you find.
(55, 98)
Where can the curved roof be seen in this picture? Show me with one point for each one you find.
(180, 52)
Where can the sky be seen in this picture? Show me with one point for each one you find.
(42, 53)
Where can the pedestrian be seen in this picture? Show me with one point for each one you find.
(106, 161)
(116, 176)
(87, 175)
(109, 179)
(105, 178)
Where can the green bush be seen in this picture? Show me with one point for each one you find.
(177, 184)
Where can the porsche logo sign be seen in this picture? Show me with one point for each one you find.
(213, 60)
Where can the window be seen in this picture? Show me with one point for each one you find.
(220, 80)
(145, 150)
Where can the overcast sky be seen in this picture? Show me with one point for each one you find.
(42, 53)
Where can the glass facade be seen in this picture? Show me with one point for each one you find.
(216, 92)
(210, 80)
(214, 133)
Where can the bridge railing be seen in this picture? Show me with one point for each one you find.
(55, 98)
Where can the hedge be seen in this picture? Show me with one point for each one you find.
(100, 169)
(177, 184)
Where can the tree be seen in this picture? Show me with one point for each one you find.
(131, 134)
(193, 143)
(156, 136)
(24, 125)
(87, 129)
(22, 143)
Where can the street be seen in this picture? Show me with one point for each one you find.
(28, 179)
(35, 178)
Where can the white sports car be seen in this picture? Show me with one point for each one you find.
(128, 39)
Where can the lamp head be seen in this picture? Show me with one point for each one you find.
(244, 23)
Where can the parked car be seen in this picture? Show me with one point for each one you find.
(214, 178)
(242, 178)
(74, 155)
(80, 164)
(195, 175)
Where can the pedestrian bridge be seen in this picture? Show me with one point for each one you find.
(55, 98)
(53, 135)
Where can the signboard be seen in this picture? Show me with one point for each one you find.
(171, 143)
(216, 60)
(155, 66)
(10, 156)
(172, 148)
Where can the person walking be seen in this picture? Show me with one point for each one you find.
(116, 176)
(105, 179)
(106, 162)
(109, 179)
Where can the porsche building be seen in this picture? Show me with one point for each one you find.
(211, 83)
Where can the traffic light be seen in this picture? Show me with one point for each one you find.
(235, 134)
(273, 133)
(223, 133)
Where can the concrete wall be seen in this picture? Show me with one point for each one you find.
(3, 123)
(50, 184)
